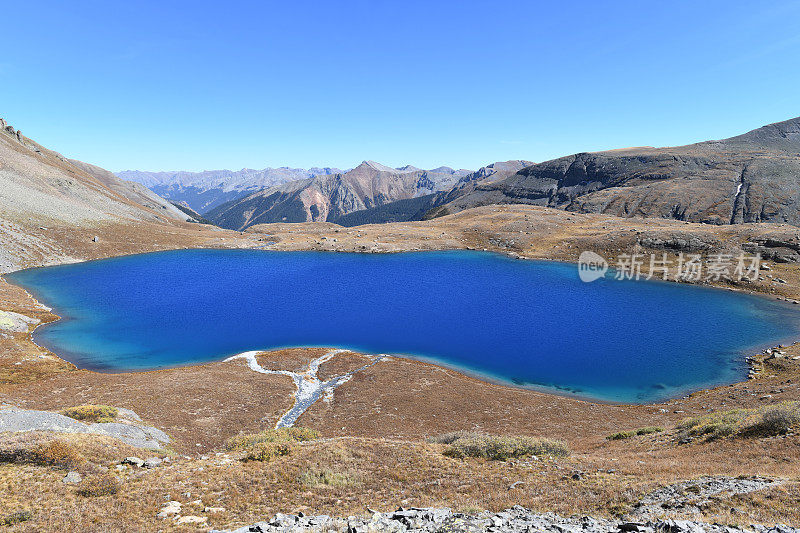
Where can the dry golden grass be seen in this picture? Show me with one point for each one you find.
(502, 448)
(55, 453)
(344, 476)
(99, 484)
(767, 421)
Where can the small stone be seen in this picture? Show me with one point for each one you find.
(192, 520)
(214, 510)
(72, 477)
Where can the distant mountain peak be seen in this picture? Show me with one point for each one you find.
(378, 166)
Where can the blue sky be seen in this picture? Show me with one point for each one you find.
(199, 85)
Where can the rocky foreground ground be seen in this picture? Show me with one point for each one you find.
(647, 517)
(516, 519)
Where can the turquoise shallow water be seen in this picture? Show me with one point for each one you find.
(523, 322)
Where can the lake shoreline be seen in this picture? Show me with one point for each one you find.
(747, 356)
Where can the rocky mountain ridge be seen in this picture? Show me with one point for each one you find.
(203, 191)
(47, 200)
(754, 177)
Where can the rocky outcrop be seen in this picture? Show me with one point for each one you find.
(651, 514)
(7, 128)
(780, 247)
(678, 241)
(129, 431)
(754, 177)
(516, 519)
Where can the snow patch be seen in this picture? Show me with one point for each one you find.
(309, 387)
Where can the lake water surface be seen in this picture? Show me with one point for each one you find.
(529, 323)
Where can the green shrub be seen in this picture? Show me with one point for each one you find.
(92, 413)
(15, 518)
(103, 484)
(269, 444)
(765, 421)
(775, 420)
(248, 440)
(267, 451)
(649, 430)
(620, 435)
(499, 448)
(635, 432)
(714, 425)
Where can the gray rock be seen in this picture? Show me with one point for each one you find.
(15, 420)
(72, 477)
(516, 519)
(135, 461)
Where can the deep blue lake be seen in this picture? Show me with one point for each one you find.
(529, 323)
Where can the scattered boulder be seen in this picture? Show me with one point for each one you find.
(135, 461)
(170, 509)
(152, 462)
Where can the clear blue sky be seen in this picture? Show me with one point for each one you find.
(198, 85)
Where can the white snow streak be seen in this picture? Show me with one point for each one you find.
(309, 386)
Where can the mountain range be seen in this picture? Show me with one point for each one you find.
(754, 177)
(331, 196)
